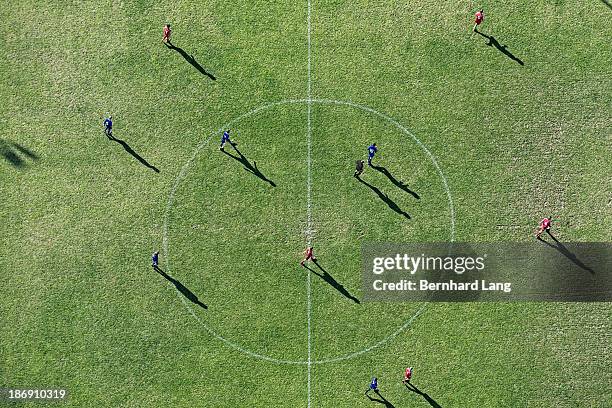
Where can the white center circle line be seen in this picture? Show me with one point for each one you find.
(183, 172)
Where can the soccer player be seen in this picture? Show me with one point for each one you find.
(544, 226)
(167, 33)
(308, 254)
(108, 126)
(479, 19)
(407, 375)
(373, 386)
(155, 259)
(372, 149)
(225, 138)
(358, 168)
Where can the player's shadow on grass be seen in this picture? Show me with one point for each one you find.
(251, 168)
(334, 283)
(382, 400)
(607, 3)
(181, 288)
(502, 48)
(13, 152)
(430, 400)
(398, 183)
(190, 59)
(563, 250)
(133, 153)
(392, 204)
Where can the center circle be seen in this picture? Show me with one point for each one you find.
(172, 202)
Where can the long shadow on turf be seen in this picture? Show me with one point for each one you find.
(190, 59)
(607, 3)
(430, 400)
(334, 283)
(133, 153)
(10, 150)
(502, 48)
(399, 184)
(251, 168)
(181, 288)
(382, 400)
(392, 205)
(563, 249)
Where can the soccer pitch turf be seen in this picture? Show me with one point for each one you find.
(480, 135)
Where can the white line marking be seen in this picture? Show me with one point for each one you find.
(183, 173)
(309, 48)
(309, 231)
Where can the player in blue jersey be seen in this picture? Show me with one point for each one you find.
(373, 386)
(108, 126)
(225, 139)
(155, 259)
(372, 149)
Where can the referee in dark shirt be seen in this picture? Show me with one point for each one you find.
(358, 168)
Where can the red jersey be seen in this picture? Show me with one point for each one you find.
(308, 253)
(545, 223)
(479, 17)
(408, 373)
(167, 31)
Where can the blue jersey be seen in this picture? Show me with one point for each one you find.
(225, 136)
(371, 150)
(374, 383)
(108, 123)
(155, 258)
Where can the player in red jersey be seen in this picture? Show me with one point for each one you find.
(544, 226)
(308, 254)
(479, 19)
(167, 33)
(407, 375)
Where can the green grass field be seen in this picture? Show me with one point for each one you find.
(519, 123)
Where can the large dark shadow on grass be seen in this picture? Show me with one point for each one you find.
(12, 152)
(332, 282)
(398, 183)
(11, 156)
(392, 204)
(381, 400)
(25, 151)
(502, 48)
(251, 168)
(133, 153)
(430, 400)
(566, 252)
(190, 59)
(181, 288)
(607, 3)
